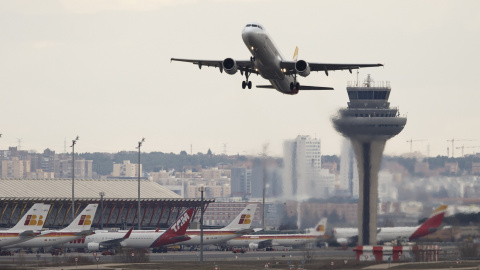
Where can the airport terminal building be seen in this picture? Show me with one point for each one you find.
(159, 206)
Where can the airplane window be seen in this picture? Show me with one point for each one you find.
(254, 25)
(248, 25)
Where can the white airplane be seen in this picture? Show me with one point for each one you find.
(267, 61)
(346, 235)
(136, 239)
(78, 228)
(259, 241)
(27, 228)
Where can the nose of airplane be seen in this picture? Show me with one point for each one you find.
(247, 35)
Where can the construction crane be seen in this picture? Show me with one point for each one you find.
(463, 146)
(411, 142)
(453, 144)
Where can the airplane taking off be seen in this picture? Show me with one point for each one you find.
(267, 61)
(344, 235)
(78, 228)
(259, 241)
(27, 227)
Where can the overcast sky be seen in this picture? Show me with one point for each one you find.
(101, 69)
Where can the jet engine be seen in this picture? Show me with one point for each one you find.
(93, 246)
(230, 66)
(253, 246)
(302, 67)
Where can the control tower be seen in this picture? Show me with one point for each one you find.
(368, 122)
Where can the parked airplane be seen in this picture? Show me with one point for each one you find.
(78, 228)
(267, 61)
(346, 235)
(136, 239)
(259, 241)
(27, 228)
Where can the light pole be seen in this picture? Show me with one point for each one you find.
(101, 207)
(73, 176)
(139, 171)
(201, 189)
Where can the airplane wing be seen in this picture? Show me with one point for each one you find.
(304, 87)
(116, 241)
(290, 67)
(265, 243)
(244, 231)
(27, 234)
(242, 65)
(84, 233)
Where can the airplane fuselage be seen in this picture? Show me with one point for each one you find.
(146, 239)
(53, 238)
(267, 58)
(136, 239)
(11, 238)
(386, 234)
(277, 239)
(210, 237)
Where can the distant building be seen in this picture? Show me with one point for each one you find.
(302, 166)
(63, 168)
(15, 168)
(476, 168)
(212, 173)
(155, 176)
(266, 170)
(452, 167)
(40, 174)
(348, 170)
(126, 169)
(387, 192)
(241, 184)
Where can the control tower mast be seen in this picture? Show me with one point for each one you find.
(368, 122)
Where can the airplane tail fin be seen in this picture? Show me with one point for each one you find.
(83, 221)
(33, 219)
(176, 232)
(431, 224)
(320, 228)
(243, 220)
(295, 54)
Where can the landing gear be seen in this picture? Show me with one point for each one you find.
(294, 85)
(247, 82)
(252, 58)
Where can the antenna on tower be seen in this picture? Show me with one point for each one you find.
(224, 148)
(19, 140)
(357, 76)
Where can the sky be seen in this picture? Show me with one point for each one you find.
(101, 69)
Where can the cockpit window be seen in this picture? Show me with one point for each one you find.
(254, 25)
